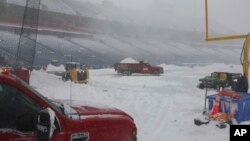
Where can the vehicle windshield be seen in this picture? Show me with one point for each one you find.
(69, 66)
(146, 64)
(48, 101)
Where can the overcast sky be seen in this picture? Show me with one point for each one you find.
(231, 14)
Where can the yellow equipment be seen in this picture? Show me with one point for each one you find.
(76, 73)
(242, 83)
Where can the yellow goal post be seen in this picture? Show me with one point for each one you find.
(208, 38)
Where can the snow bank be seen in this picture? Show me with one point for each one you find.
(163, 107)
(52, 68)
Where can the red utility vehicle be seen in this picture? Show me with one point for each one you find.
(141, 67)
(26, 115)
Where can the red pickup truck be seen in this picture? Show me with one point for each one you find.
(141, 67)
(26, 115)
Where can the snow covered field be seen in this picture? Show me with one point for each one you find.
(163, 107)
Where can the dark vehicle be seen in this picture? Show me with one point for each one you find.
(141, 67)
(219, 80)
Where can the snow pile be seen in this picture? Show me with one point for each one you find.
(129, 60)
(163, 107)
(52, 68)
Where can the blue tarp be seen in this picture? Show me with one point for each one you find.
(242, 106)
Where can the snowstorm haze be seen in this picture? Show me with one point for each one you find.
(225, 16)
(160, 31)
(233, 14)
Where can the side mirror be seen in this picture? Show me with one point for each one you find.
(45, 125)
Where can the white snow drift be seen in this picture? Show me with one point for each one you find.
(163, 107)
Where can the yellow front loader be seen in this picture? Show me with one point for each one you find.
(76, 73)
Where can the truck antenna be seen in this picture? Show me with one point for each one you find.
(70, 86)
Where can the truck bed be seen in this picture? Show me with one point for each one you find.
(132, 67)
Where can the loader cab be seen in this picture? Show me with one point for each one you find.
(73, 65)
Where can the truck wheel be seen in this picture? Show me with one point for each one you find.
(218, 87)
(201, 86)
(242, 84)
(65, 77)
(156, 73)
(233, 85)
(126, 73)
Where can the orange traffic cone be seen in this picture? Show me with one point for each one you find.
(215, 108)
